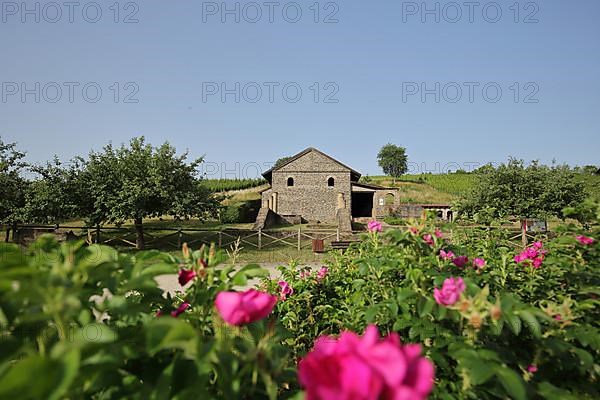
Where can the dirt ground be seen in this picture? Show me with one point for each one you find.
(170, 285)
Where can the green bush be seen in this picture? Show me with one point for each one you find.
(243, 212)
(230, 214)
(82, 321)
(57, 343)
(393, 220)
(517, 332)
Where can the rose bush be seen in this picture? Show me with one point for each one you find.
(483, 323)
(88, 322)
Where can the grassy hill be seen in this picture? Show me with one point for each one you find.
(444, 188)
(421, 188)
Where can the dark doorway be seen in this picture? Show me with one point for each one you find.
(362, 204)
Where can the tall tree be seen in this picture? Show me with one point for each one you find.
(57, 194)
(140, 181)
(12, 185)
(393, 160)
(513, 189)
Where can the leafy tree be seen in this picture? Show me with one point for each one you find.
(281, 161)
(58, 193)
(393, 160)
(589, 170)
(514, 189)
(140, 181)
(12, 184)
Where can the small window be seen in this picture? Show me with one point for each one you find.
(330, 182)
(389, 199)
(290, 181)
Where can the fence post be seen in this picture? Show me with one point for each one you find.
(259, 239)
(298, 239)
(524, 233)
(220, 239)
(337, 234)
(98, 234)
(179, 238)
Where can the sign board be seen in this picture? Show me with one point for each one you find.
(535, 225)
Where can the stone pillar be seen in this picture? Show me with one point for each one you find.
(341, 203)
(270, 202)
(275, 206)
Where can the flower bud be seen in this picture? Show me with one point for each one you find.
(186, 251)
(496, 312)
(475, 320)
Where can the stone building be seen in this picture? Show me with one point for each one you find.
(314, 187)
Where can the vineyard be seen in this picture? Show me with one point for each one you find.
(225, 185)
(459, 184)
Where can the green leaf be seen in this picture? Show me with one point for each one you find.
(425, 306)
(513, 322)
(170, 333)
(512, 383)
(479, 371)
(94, 334)
(159, 269)
(551, 392)
(371, 313)
(52, 377)
(531, 322)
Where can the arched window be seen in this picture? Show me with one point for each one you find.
(389, 199)
(330, 182)
(290, 181)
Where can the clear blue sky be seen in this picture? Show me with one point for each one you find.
(375, 56)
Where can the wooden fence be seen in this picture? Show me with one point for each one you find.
(173, 238)
(162, 238)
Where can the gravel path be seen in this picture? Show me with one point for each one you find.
(169, 283)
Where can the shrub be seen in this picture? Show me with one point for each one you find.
(393, 220)
(518, 330)
(495, 322)
(230, 214)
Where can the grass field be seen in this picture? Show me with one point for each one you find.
(443, 188)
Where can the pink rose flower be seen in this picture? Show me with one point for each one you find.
(478, 263)
(519, 258)
(414, 230)
(428, 239)
(241, 308)
(322, 273)
(185, 275)
(438, 234)
(184, 306)
(532, 368)
(584, 240)
(285, 290)
(374, 226)
(531, 253)
(460, 261)
(446, 255)
(532, 256)
(305, 274)
(354, 367)
(450, 292)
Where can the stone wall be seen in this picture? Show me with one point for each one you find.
(310, 196)
(382, 210)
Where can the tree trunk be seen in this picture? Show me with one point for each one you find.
(139, 231)
(14, 232)
(7, 237)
